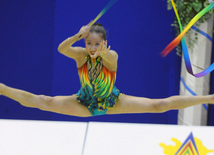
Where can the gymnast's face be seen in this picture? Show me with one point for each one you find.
(92, 42)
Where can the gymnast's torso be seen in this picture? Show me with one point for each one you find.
(97, 91)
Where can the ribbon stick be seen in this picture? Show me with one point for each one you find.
(105, 9)
(180, 37)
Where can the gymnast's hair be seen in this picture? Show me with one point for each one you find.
(98, 28)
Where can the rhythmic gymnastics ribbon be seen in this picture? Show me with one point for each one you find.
(105, 9)
(180, 37)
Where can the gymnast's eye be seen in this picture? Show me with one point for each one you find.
(97, 44)
(88, 43)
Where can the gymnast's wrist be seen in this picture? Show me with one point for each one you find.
(78, 36)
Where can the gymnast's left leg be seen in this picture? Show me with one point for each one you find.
(132, 104)
(67, 105)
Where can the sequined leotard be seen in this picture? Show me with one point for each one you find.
(97, 92)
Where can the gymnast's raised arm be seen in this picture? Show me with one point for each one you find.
(77, 53)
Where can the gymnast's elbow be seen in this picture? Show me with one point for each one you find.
(60, 49)
(161, 106)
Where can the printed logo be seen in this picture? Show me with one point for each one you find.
(191, 146)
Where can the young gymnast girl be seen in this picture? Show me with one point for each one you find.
(97, 67)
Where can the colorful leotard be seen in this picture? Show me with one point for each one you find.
(97, 92)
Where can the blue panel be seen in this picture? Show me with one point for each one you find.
(210, 120)
(32, 30)
(27, 50)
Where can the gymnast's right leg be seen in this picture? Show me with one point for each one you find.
(67, 105)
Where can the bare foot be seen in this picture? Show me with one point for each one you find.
(212, 99)
(2, 86)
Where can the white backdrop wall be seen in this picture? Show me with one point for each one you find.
(200, 59)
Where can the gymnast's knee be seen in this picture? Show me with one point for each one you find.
(45, 101)
(161, 105)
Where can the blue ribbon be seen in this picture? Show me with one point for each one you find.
(202, 32)
(192, 92)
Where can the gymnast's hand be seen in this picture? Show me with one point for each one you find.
(102, 50)
(83, 32)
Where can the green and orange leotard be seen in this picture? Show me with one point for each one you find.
(97, 92)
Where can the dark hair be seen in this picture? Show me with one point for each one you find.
(98, 28)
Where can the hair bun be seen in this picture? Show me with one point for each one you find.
(98, 24)
(98, 28)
